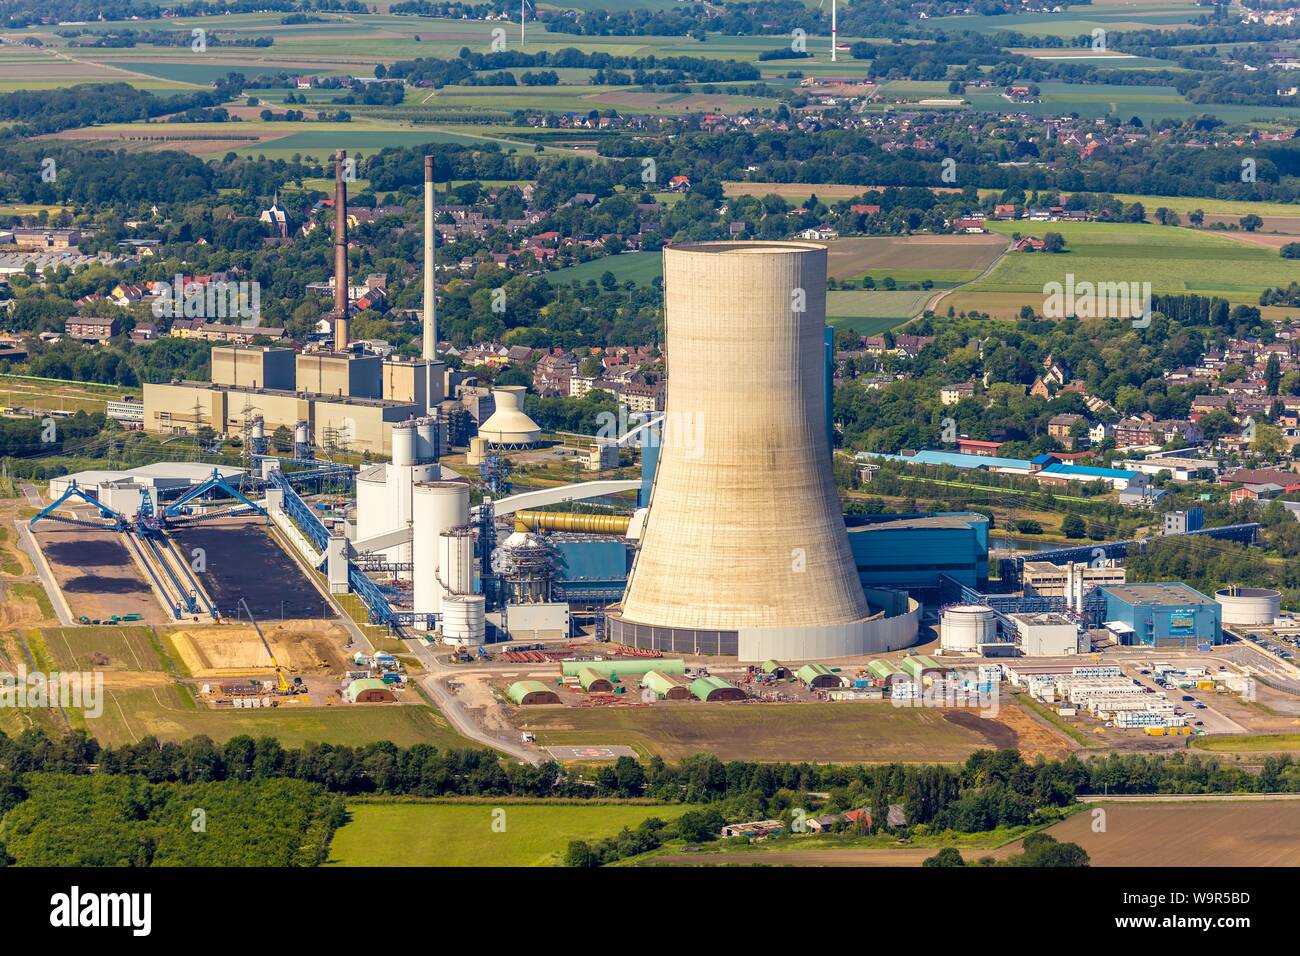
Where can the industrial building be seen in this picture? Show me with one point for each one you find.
(362, 424)
(818, 675)
(370, 690)
(714, 690)
(1168, 614)
(1047, 634)
(164, 478)
(1045, 579)
(912, 552)
(780, 581)
(594, 683)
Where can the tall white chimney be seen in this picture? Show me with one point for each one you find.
(429, 349)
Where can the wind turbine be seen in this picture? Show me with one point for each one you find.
(522, 5)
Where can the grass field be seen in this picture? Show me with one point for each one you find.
(444, 834)
(167, 711)
(641, 267)
(870, 313)
(838, 732)
(1173, 260)
(1258, 743)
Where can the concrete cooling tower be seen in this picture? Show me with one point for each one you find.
(509, 427)
(744, 550)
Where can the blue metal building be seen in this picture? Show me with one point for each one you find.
(591, 568)
(1167, 614)
(913, 551)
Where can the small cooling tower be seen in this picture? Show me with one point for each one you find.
(508, 427)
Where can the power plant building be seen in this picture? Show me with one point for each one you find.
(362, 424)
(914, 551)
(744, 550)
(253, 366)
(1162, 615)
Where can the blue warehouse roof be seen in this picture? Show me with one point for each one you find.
(954, 458)
(1088, 471)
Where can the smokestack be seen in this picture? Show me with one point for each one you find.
(341, 283)
(430, 346)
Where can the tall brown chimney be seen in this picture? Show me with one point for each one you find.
(341, 284)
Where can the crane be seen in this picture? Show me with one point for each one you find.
(282, 685)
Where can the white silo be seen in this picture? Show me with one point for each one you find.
(400, 486)
(456, 561)
(426, 439)
(464, 619)
(964, 627)
(1249, 607)
(438, 505)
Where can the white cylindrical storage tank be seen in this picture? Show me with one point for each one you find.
(404, 444)
(964, 627)
(464, 619)
(456, 561)
(372, 505)
(426, 439)
(436, 506)
(302, 433)
(1249, 607)
(258, 430)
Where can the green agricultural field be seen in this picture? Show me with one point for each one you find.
(1173, 260)
(1079, 20)
(126, 649)
(870, 313)
(447, 834)
(640, 267)
(167, 710)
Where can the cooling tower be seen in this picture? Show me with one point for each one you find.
(509, 427)
(744, 533)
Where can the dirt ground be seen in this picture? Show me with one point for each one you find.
(301, 647)
(96, 573)
(1229, 833)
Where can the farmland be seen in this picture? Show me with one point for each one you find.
(447, 834)
(167, 711)
(839, 732)
(1229, 833)
(1173, 260)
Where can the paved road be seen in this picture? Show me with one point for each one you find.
(28, 544)
(434, 681)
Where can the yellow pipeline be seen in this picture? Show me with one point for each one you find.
(564, 521)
